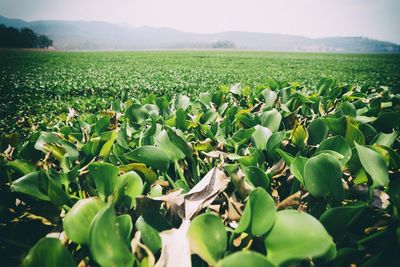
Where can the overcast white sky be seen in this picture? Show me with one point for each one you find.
(378, 19)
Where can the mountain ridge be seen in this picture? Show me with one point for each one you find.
(100, 35)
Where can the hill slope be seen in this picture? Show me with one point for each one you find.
(103, 35)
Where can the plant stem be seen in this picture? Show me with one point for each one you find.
(169, 180)
(231, 238)
(195, 170)
(179, 171)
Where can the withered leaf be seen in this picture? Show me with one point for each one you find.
(175, 250)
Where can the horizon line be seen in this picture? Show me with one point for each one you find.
(202, 33)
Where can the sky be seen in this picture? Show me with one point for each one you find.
(376, 19)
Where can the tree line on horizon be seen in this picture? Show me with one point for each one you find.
(11, 37)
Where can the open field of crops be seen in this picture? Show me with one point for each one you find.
(35, 87)
(199, 159)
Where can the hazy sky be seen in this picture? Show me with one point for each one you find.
(378, 19)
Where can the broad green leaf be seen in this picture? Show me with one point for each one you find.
(317, 131)
(353, 134)
(149, 175)
(374, 165)
(127, 187)
(136, 113)
(46, 138)
(149, 235)
(151, 156)
(302, 97)
(244, 259)
(387, 121)
(269, 97)
(386, 139)
(242, 135)
(223, 108)
(49, 142)
(260, 136)
(218, 97)
(274, 142)
(246, 119)
(236, 89)
(29, 185)
(271, 119)
(77, 221)
(55, 191)
(334, 154)
(272, 83)
(121, 138)
(28, 151)
(207, 237)
(102, 124)
(338, 144)
(209, 117)
(297, 168)
(181, 119)
(354, 163)
(337, 126)
(180, 142)
(246, 90)
(337, 220)
(105, 150)
(182, 102)
(205, 98)
(125, 226)
(106, 244)
(169, 147)
(347, 109)
(48, 252)
(21, 166)
(257, 177)
(394, 157)
(151, 110)
(361, 177)
(381, 151)
(250, 160)
(104, 175)
(368, 131)
(259, 214)
(323, 177)
(296, 236)
(324, 86)
(285, 156)
(365, 119)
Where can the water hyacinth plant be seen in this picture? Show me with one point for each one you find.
(274, 175)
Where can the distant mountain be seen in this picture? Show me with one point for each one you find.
(92, 35)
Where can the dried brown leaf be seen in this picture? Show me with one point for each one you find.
(199, 197)
(291, 201)
(175, 250)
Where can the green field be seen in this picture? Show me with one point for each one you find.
(36, 86)
(226, 159)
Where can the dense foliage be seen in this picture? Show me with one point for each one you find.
(270, 175)
(11, 37)
(37, 87)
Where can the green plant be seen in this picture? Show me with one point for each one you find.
(277, 174)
